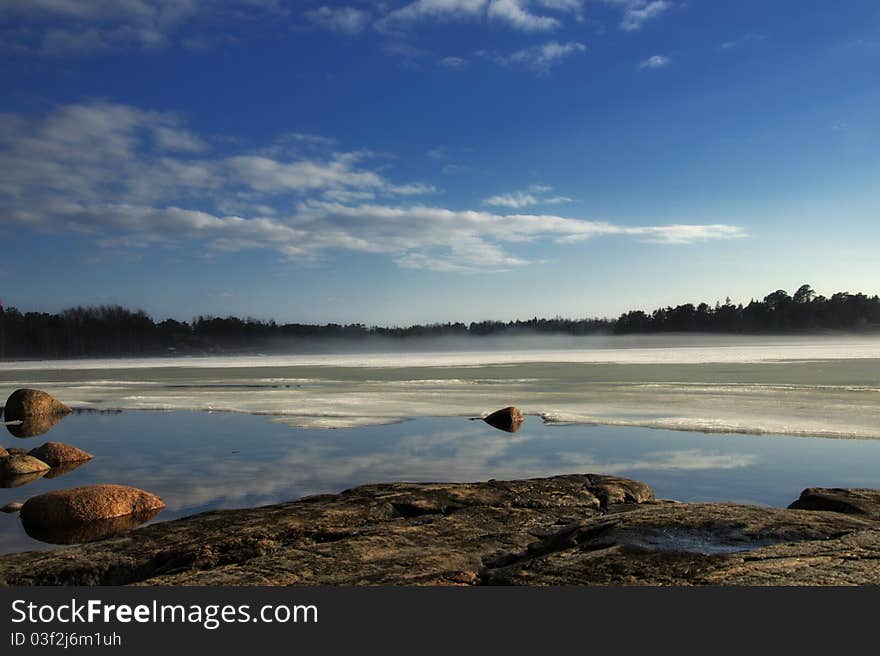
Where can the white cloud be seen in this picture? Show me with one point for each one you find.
(515, 13)
(348, 20)
(542, 58)
(638, 12)
(431, 10)
(134, 178)
(527, 198)
(657, 61)
(454, 63)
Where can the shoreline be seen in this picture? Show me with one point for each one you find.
(579, 529)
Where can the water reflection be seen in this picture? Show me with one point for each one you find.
(87, 532)
(197, 461)
(64, 468)
(17, 480)
(33, 426)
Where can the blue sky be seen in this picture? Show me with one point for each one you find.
(409, 161)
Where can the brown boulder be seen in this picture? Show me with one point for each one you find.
(3, 453)
(80, 505)
(56, 453)
(24, 403)
(507, 419)
(33, 426)
(18, 465)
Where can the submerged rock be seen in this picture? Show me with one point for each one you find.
(80, 505)
(507, 419)
(24, 403)
(11, 507)
(56, 453)
(33, 426)
(16, 465)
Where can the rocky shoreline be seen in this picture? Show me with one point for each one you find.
(565, 530)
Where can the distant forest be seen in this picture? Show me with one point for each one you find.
(117, 331)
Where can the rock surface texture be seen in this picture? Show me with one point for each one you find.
(571, 530)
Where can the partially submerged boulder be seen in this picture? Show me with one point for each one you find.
(507, 419)
(56, 453)
(23, 403)
(33, 426)
(80, 505)
(16, 465)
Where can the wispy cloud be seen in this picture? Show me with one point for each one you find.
(347, 20)
(746, 38)
(638, 12)
(526, 198)
(454, 63)
(517, 14)
(539, 59)
(657, 61)
(63, 27)
(125, 176)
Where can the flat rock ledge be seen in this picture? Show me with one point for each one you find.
(565, 530)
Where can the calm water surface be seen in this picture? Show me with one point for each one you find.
(199, 461)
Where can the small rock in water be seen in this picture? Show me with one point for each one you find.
(507, 419)
(32, 403)
(11, 507)
(56, 453)
(85, 504)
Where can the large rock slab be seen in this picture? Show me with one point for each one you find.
(24, 403)
(573, 530)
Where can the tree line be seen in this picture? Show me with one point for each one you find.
(111, 330)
